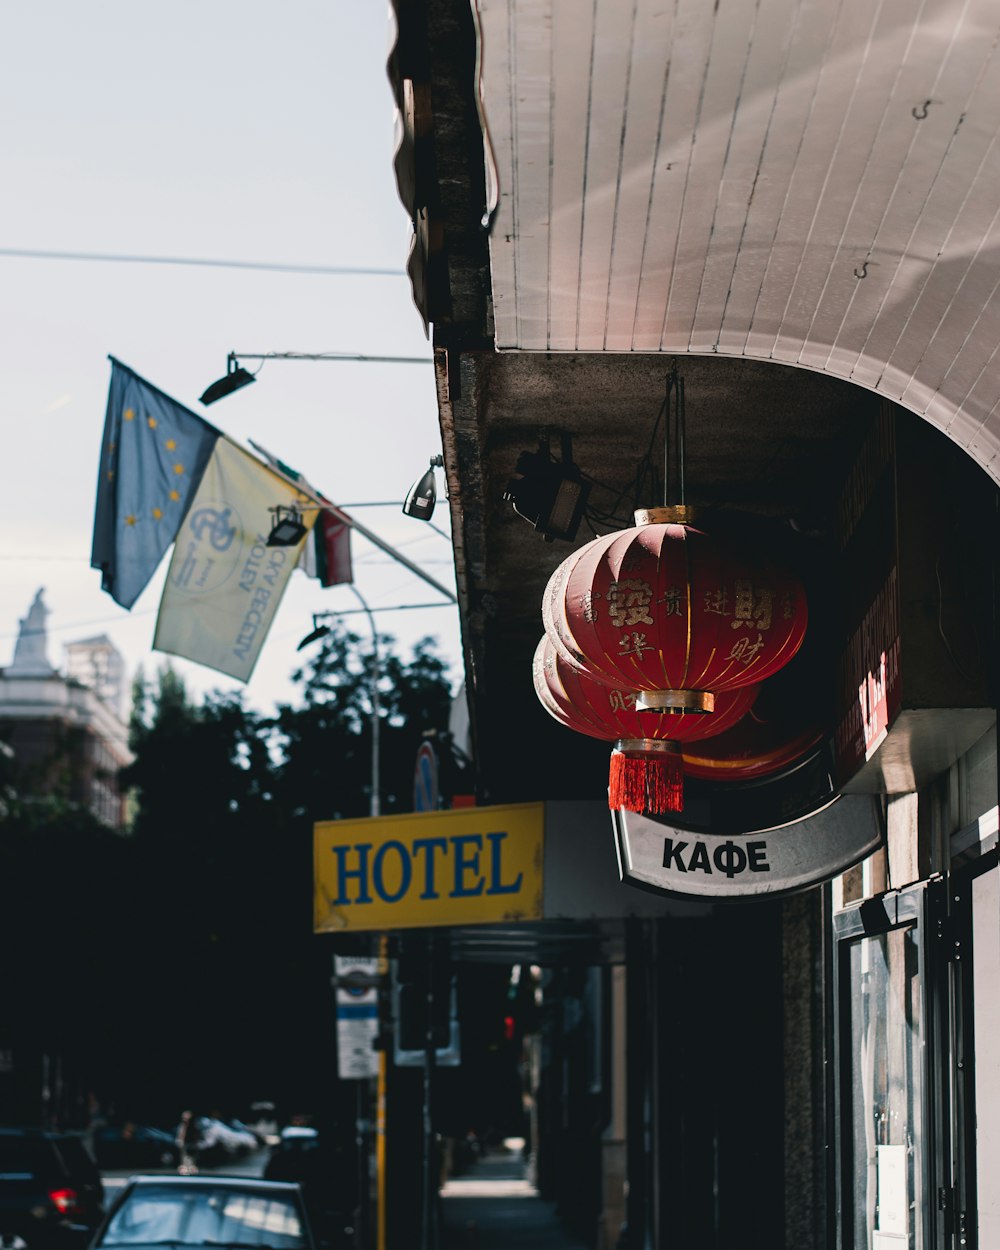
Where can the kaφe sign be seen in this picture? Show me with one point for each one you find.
(661, 857)
(472, 865)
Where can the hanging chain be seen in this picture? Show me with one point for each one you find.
(674, 431)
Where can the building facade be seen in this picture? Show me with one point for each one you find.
(66, 730)
(796, 205)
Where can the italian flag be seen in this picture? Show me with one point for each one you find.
(327, 551)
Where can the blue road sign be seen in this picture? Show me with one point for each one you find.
(425, 780)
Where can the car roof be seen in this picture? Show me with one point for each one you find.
(214, 1180)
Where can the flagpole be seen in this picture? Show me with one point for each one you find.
(365, 532)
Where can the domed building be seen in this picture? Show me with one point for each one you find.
(66, 728)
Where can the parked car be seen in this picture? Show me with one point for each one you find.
(206, 1210)
(207, 1141)
(220, 1141)
(133, 1145)
(297, 1133)
(248, 1138)
(264, 1122)
(51, 1194)
(327, 1181)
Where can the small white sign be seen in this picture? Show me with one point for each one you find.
(357, 1016)
(893, 1197)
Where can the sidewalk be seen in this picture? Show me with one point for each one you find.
(492, 1207)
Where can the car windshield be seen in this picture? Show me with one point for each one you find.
(217, 1215)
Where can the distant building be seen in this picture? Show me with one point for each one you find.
(98, 664)
(66, 730)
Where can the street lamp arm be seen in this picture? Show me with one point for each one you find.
(398, 556)
(381, 360)
(375, 806)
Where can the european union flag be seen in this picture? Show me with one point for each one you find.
(153, 457)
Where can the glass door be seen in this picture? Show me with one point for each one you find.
(887, 1033)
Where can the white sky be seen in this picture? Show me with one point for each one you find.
(206, 128)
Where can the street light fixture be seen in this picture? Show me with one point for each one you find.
(423, 493)
(550, 494)
(234, 379)
(317, 632)
(288, 529)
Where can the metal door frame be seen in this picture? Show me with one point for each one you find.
(921, 906)
(975, 853)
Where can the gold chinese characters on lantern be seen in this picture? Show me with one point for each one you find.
(674, 617)
(668, 611)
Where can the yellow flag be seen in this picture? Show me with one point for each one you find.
(224, 583)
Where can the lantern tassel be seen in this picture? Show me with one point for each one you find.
(646, 781)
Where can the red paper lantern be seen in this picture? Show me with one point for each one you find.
(647, 772)
(667, 611)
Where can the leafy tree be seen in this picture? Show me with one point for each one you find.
(222, 965)
(178, 964)
(211, 862)
(60, 874)
(326, 743)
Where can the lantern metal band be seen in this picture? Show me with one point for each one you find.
(647, 746)
(670, 514)
(675, 701)
(647, 771)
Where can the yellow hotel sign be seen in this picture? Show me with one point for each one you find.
(471, 865)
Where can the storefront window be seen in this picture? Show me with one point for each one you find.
(884, 1084)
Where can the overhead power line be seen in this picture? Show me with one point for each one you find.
(131, 616)
(204, 262)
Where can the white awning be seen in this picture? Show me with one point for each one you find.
(811, 183)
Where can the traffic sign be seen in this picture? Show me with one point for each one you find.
(425, 780)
